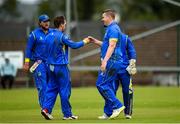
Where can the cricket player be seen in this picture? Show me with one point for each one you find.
(34, 52)
(59, 76)
(118, 59)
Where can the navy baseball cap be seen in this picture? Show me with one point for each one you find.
(44, 18)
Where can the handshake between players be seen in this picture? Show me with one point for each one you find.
(48, 49)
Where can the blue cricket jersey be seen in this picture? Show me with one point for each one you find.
(57, 45)
(124, 50)
(36, 44)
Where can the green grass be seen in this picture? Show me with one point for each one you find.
(151, 104)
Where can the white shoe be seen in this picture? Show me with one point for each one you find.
(73, 117)
(46, 115)
(67, 118)
(128, 116)
(116, 112)
(103, 117)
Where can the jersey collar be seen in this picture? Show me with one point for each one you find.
(112, 23)
(43, 30)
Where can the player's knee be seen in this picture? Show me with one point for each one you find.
(125, 90)
(65, 97)
(99, 83)
(99, 86)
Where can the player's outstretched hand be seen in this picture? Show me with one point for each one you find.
(86, 40)
(92, 39)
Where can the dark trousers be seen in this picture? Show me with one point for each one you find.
(7, 78)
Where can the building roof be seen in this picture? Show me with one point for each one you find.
(13, 31)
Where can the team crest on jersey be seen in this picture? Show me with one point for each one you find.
(66, 37)
(40, 38)
(39, 74)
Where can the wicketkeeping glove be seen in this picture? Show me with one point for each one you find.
(132, 62)
(132, 67)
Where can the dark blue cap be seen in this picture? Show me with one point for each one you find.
(43, 18)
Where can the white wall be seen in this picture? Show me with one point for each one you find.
(15, 57)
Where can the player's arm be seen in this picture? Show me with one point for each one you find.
(110, 50)
(96, 41)
(74, 45)
(131, 49)
(113, 39)
(28, 52)
(131, 52)
(132, 57)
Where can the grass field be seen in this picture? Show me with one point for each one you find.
(151, 104)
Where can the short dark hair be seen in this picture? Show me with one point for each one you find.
(6, 59)
(110, 12)
(58, 21)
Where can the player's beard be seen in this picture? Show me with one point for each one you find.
(45, 28)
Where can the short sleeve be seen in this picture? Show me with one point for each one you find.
(113, 35)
